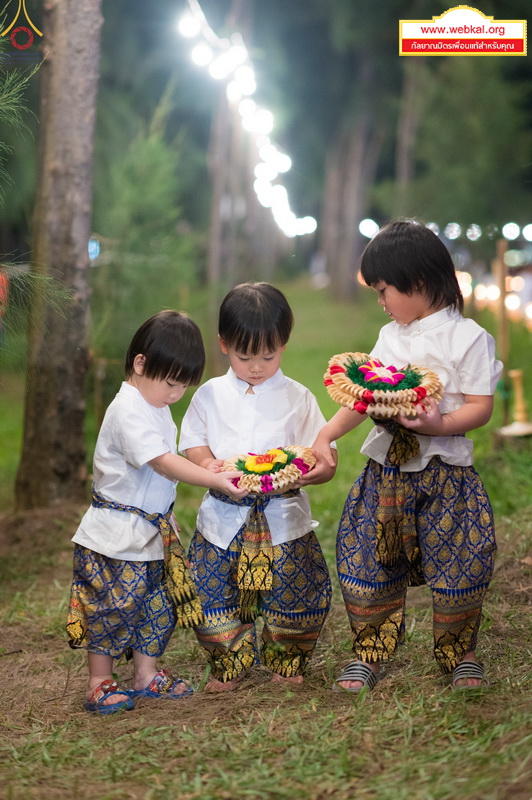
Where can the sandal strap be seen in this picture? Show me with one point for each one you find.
(106, 687)
(359, 671)
(162, 682)
(468, 669)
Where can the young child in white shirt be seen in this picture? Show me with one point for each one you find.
(252, 408)
(441, 532)
(131, 584)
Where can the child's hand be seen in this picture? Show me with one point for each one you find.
(324, 452)
(322, 471)
(428, 420)
(214, 465)
(224, 483)
(475, 412)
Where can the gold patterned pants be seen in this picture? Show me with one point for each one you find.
(447, 531)
(293, 612)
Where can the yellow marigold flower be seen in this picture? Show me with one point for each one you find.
(261, 463)
(280, 456)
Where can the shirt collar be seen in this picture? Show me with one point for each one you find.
(272, 383)
(432, 321)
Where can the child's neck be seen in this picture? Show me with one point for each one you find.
(432, 310)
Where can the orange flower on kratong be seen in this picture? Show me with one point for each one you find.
(265, 461)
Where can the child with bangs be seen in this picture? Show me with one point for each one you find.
(253, 408)
(131, 584)
(418, 513)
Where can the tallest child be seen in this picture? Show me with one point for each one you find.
(445, 521)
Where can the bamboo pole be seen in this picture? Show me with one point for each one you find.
(503, 329)
(520, 426)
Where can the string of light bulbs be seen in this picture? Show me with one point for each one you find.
(227, 59)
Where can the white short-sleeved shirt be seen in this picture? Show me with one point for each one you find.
(133, 432)
(462, 354)
(224, 418)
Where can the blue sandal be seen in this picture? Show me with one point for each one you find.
(106, 689)
(162, 687)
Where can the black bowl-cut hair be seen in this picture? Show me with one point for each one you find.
(255, 316)
(172, 346)
(408, 255)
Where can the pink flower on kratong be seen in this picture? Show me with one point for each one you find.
(266, 484)
(374, 371)
(302, 466)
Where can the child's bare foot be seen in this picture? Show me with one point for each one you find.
(214, 685)
(160, 685)
(292, 679)
(107, 697)
(105, 688)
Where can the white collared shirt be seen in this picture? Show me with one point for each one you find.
(223, 417)
(133, 432)
(462, 354)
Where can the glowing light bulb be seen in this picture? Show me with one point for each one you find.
(474, 232)
(511, 231)
(368, 227)
(527, 232)
(245, 78)
(517, 283)
(202, 54)
(453, 230)
(188, 26)
(512, 302)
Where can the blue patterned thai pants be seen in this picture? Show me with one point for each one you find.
(117, 605)
(293, 611)
(446, 528)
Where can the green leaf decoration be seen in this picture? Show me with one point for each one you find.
(412, 378)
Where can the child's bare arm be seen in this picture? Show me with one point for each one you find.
(475, 413)
(177, 468)
(203, 457)
(344, 420)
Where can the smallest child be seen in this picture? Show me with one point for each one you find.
(131, 584)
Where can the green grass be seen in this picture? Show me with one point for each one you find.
(409, 739)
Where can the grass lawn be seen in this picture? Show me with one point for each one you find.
(412, 738)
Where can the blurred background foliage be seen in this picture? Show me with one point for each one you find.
(448, 138)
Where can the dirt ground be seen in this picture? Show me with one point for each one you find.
(42, 684)
(35, 550)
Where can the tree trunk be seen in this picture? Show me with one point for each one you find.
(407, 128)
(53, 463)
(351, 170)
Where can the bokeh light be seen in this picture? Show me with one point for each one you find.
(474, 232)
(511, 231)
(368, 227)
(453, 230)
